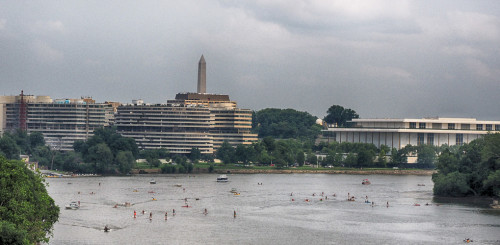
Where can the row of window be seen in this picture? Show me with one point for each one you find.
(459, 139)
(488, 127)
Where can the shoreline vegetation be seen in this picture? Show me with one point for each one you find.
(231, 169)
(329, 171)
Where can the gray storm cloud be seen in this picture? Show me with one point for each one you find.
(380, 58)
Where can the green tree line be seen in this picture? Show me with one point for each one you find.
(469, 170)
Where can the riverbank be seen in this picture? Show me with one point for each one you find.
(328, 171)
(221, 170)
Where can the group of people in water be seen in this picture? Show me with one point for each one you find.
(349, 198)
(205, 211)
(352, 199)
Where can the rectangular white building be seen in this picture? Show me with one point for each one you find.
(397, 133)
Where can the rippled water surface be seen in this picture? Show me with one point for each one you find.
(265, 214)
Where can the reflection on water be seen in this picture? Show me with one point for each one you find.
(483, 202)
(285, 209)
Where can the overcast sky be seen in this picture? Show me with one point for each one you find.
(383, 59)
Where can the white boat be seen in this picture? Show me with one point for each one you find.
(73, 205)
(222, 178)
(152, 181)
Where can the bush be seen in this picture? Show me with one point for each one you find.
(453, 184)
(168, 169)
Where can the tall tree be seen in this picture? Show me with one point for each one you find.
(101, 156)
(285, 124)
(25, 203)
(226, 153)
(36, 139)
(195, 154)
(301, 158)
(125, 161)
(339, 115)
(9, 147)
(426, 156)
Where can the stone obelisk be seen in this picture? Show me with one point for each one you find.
(202, 76)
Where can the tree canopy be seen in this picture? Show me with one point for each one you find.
(107, 151)
(339, 115)
(27, 212)
(472, 170)
(285, 124)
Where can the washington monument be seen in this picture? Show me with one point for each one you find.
(202, 76)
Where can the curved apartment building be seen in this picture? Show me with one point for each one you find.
(176, 128)
(191, 120)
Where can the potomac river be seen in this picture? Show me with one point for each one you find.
(283, 209)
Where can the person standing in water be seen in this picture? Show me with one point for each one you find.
(205, 212)
(150, 215)
(234, 213)
(165, 215)
(173, 212)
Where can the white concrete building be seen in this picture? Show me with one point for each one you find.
(397, 133)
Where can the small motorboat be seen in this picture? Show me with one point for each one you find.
(366, 182)
(222, 178)
(73, 205)
(178, 185)
(152, 181)
(233, 190)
